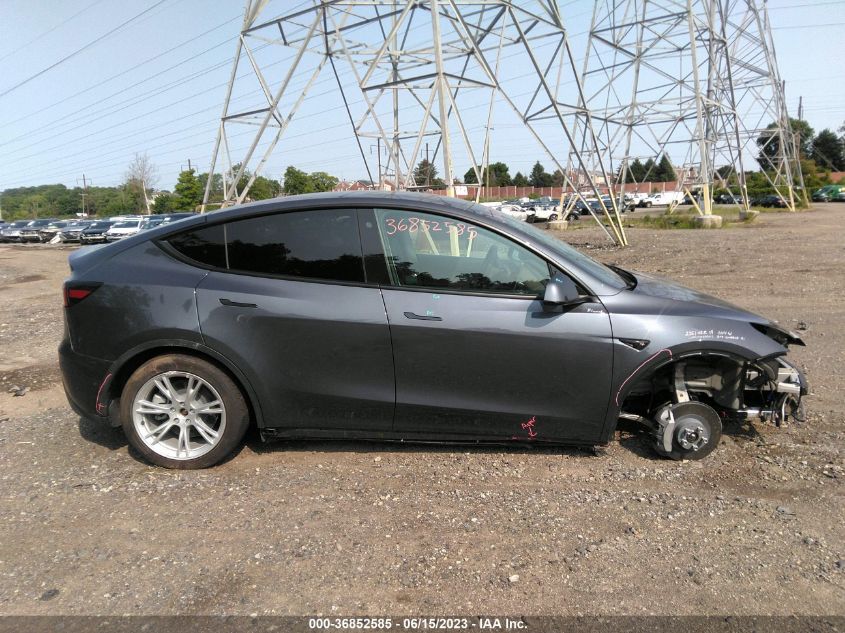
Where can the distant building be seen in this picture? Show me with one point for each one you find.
(354, 185)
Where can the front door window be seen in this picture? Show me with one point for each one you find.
(436, 252)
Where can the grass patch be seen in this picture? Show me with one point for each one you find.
(674, 221)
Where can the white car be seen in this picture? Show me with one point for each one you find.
(545, 213)
(517, 212)
(123, 229)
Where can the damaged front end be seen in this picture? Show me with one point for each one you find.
(685, 402)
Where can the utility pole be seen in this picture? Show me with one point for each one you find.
(427, 169)
(381, 179)
(84, 194)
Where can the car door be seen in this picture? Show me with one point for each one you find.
(288, 303)
(476, 354)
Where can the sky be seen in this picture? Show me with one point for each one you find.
(87, 84)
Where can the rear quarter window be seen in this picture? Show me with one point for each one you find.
(206, 245)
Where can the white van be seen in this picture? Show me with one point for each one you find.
(663, 199)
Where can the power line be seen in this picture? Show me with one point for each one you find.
(79, 50)
(47, 32)
(86, 90)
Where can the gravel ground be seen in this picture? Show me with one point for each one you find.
(348, 528)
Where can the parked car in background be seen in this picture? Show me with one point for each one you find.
(773, 201)
(151, 221)
(663, 199)
(840, 197)
(637, 197)
(95, 233)
(12, 231)
(31, 232)
(47, 233)
(517, 212)
(728, 198)
(591, 204)
(372, 315)
(122, 229)
(73, 230)
(625, 205)
(175, 217)
(827, 193)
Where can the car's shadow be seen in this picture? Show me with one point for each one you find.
(113, 438)
(101, 433)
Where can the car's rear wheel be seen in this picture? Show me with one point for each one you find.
(182, 412)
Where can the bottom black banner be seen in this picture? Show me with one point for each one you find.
(311, 624)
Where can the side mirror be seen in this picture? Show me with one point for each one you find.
(561, 291)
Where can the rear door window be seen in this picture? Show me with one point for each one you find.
(318, 244)
(321, 244)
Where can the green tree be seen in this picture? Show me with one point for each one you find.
(665, 171)
(426, 173)
(297, 182)
(769, 142)
(519, 180)
(264, 188)
(539, 177)
(828, 152)
(497, 175)
(165, 202)
(322, 181)
(188, 191)
(215, 195)
(558, 179)
(636, 171)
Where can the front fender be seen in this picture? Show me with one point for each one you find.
(631, 366)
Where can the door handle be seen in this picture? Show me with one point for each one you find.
(420, 317)
(237, 304)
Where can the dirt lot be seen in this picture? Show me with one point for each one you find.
(354, 528)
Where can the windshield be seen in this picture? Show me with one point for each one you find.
(127, 225)
(567, 252)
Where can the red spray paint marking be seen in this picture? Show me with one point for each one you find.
(527, 426)
(101, 407)
(645, 362)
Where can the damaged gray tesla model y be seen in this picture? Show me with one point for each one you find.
(400, 317)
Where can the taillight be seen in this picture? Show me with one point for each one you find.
(75, 293)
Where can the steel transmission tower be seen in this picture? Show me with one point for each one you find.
(691, 81)
(408, 73)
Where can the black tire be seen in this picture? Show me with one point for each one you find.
(553, 217)
(695, 414)
(234, 406)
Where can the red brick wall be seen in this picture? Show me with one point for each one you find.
(509, 193)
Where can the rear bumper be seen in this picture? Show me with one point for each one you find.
(85, 379)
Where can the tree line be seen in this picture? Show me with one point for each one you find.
(819, 154)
